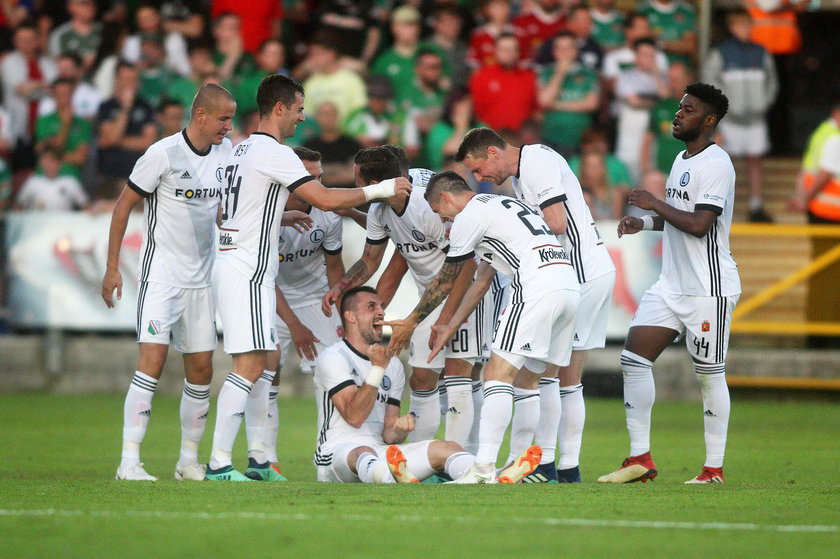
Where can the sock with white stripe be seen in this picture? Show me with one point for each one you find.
(495, 418)
(230, 409)
(639, 394)
(526, 417)
(716, 405)
(458, 464)
(478, 401)
(195, 405)
(272, 427)
(256, 417)
(136, 413)
(372, 469)
(571, 426)
(443, 401)
(425, 405)
(459, 414)
(550, 407)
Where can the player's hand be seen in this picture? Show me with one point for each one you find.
(401, 331)
(304, 341)
(379, 355)
(629, 225)
(441, 334)
(331, 298)
(404, 424)
(112, 280)
(641, 198)
(402, 187)
(300, 221)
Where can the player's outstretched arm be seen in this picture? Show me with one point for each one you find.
(462, 282)
(390, 279)
(696, 223)
(358, 274)
(435, 293)
(119, 221)
(330, 199)
(359, 217)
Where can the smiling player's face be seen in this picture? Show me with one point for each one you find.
(292, 116)
(368, 315)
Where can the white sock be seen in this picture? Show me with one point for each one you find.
(442, 399)
(373, 469)
(495, 418)
(571, 426)
(425, 405)
(458, 464)
(230, 409)
(526, 417)
(272, 427)
(550, 408)
(478, 401)
(459, 414)
(639, 394)
(195, 405)
(715, 410)
(136, 413)
(256, 417)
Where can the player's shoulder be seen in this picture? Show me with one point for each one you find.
(717, 156)
(331, 356)
(162, 145)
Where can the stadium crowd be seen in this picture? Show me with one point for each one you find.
(89, 85)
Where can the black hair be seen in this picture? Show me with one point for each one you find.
(476, 142)
(306, 154)
(643, 41)
(275, 89)
(401, 155)
(446, 181)
(377, 164)
(711, 96)
(348, 297)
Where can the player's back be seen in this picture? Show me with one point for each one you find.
(258, 178)
(543, 174)
(182, 188)
(517, 242)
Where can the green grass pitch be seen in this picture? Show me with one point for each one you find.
(58, 497)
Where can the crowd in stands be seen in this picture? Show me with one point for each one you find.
(88, 85)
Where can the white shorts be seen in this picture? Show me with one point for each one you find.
(705, 321)
(325, 328)
(593, 313)
(416, 457)
(186, 316)
(538, 330)
(495, 300)
(465, 344)
(247, 310)
(744, 140)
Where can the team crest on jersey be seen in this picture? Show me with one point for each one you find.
(154, 327)
(418, 236)
(219, 174)
(386, 383)
(685, 178)
(705, 327)
(316, 236)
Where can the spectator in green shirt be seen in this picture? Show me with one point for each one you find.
(155, 77)
(608, 24)
(674, 24)
(232, 62)
(61, 130)
(271, 59)
(376, 123)
(82, 34)
(595, 140)
(203, 69)
(568, 94)
(397, 62)
(659, 147)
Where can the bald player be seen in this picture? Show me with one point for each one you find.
(179, 179)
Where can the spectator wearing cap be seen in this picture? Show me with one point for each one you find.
(376, 123)
(82, 34)
(150, 25)
(504, 95)
(86, 98)
(329, 81)
(69, 135)
(397, 62)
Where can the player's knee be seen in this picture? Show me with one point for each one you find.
(423, 379)
(440, 451)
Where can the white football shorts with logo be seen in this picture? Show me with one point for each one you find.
(325, 328)
(187, 317)
(416, 458)
(247, 310)
(745, 140)
(704, 321)
(594, 312)
(495, 301)
(538, 331)
(465, 344)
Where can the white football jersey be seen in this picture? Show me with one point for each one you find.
(420, 176)
(301, 275)
(182, 189)
(545, 178)
(692, 266)
(259, 175)
(418, 234)
(516, 241)
(338, 367)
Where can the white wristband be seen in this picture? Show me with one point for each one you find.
(647, 222)
(384, 189)
(374, 377)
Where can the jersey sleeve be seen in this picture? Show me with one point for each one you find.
(149, 169)
(464, 236)
(332, 239)
(332, 373)
(716, 182)
(544, 178)
(397, 374)
(286, 168)
(375, 231)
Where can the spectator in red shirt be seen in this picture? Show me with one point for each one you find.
(261, 20)
(482, 47)
(504, 95)
(542, 21)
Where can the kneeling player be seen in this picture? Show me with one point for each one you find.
(358, 389)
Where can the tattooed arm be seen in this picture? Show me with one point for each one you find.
(358, 274)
